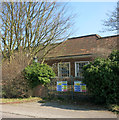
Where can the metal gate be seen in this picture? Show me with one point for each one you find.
(70, 93)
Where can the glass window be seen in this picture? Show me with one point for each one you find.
(79, 68)
(64, 69)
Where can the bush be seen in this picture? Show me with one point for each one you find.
(13, 82)
(102, 79)
(37, 74)
(16, 88)
(114, 56)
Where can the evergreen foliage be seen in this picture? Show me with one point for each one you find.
(38, 74)
(102, 79)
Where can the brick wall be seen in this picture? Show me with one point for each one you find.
(98, 46)
(54, 63)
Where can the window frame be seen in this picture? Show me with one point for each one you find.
(69, 69)
(76, 69)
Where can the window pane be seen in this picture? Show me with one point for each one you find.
(79, 68)
(64, 69)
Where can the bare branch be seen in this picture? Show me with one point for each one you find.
(33, 26)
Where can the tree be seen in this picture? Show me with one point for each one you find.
(32, 27)
(112, 22)
(29, 29)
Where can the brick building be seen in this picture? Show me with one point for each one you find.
(69, 57)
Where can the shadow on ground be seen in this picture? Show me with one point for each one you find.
(82, 106)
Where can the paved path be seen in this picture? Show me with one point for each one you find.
(53, 110)
(13, 115)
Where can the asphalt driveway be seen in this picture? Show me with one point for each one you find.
(53, 110)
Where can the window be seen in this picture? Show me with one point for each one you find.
(79, 68)
(64, 69)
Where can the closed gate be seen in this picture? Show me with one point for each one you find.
(70, 88)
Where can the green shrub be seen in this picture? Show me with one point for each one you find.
(37, 74)
(102, 79)
(114, 56)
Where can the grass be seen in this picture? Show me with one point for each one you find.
(114, 108)
(19, 100)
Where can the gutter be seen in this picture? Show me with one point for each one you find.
(71, 56)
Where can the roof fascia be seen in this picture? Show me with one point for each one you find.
(67, 57)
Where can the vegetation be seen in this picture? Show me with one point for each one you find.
(37, 74)
(29, 29)
(19, 100)
(32, 27)
(102, 79)
(16, 88)
(114, 108)
(33, 75)
(112, 21)
(114, 56)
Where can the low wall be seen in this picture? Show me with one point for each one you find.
(40, 91)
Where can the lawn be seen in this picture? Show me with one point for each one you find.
(19, 100)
